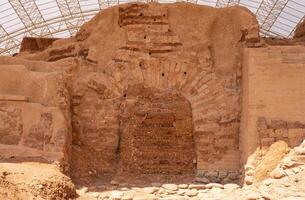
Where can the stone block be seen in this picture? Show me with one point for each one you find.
(233, 175)
(211, 174)
(222, 174)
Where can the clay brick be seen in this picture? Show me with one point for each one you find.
(296, 133)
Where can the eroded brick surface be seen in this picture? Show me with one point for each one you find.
(156, 133)
(273, 130)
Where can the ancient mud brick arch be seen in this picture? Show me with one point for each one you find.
(154, 57)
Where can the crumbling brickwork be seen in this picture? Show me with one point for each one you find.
(34, 121)
(153, 56)
(156, 133)
(273, 130)
(11, 127)
(140, 66)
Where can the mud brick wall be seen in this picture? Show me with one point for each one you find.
(148, 46)
(219, 176)
(31, 44)
(95, 131)
(273, 97)
(149, 33)
(34, 124)
(272, 130)
(151, 54)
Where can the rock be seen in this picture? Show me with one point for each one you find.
(231, 186)
(162, 191)
(181, 192)
(183, 186)
(299, 150)
(150, 190)
(215, 180)
(303, 144)
(104, 197)
(143, 197)
(250, 172)
(171, 187)
(293, 198)
(296, 170)
(136, 189)
(249, 180)
(83, 190)
(96, 195)
(202, 180)
(222, 175)
(299, 194)
(211, 174)
(125, 185)
(116, 195)
(124, 189)
(127, 197)
(263, 188)
(277, 173)
(191, 193)
(268, 181)
(287, 163)
(253, 196)
(289, 172)
(270, 160)
(5, 173)
(226, 180)
(171, 191)
(215, 191)
(156, 184)
(266, 195)
(174, 197)
(202, 196)
(233, 175)
(113, 182)
(297, 179)
(287, 184)
(197, 186)
(249, 167)
(214, 185)
(111, 187)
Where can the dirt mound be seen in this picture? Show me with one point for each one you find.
(270, 160)
(34, 181)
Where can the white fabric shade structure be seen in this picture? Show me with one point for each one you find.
(62, 18)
